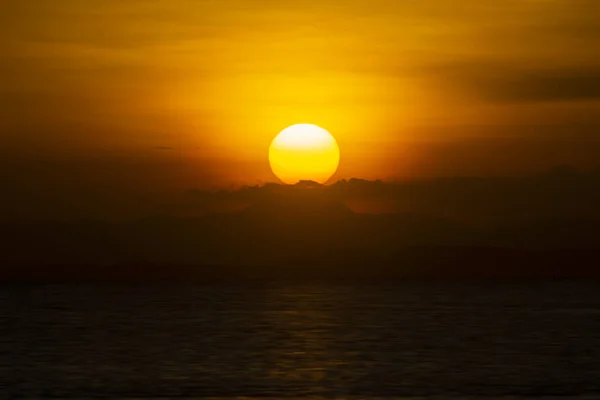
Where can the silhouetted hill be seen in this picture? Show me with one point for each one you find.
(303, 205)
(301, 234)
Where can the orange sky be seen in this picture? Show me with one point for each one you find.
(190, 93)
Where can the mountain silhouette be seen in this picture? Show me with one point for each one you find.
(302, 229)
(305, 206)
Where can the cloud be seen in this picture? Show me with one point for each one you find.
(505, 83)
(562, 192)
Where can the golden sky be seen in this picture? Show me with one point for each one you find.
(189, 93)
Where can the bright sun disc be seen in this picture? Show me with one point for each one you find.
(304, 152)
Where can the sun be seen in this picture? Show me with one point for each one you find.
(304, 152)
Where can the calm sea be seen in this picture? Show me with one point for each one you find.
(310, 340)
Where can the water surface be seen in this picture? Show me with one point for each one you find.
(309, 340)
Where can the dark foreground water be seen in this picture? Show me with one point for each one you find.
(346, 341)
